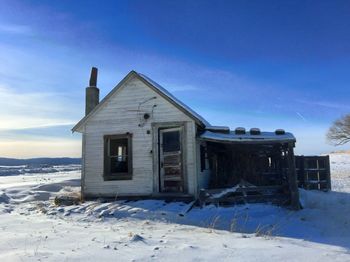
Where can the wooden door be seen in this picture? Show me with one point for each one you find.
(171, 174)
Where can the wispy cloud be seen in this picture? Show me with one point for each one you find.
(301, 116)
(28, 110)
(325, 104)
(16, 29)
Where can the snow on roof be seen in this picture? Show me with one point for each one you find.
(218, 128)
(174, 99)
(232, 137)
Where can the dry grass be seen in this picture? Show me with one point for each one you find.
(68, 198)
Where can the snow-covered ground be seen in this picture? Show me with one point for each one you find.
(340, 171)
(32, 228)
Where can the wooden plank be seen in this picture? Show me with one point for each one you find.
(259, 189)
(187, 208)
(315, 169)
(292, 179)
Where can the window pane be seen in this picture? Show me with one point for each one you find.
(171, 141)
(118, 153)
(202, 154)
(118, 147)
(119, 165)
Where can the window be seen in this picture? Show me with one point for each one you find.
(171, 141)
(117, 157)
(203, 156)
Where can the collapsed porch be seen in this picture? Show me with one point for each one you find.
(250, 166)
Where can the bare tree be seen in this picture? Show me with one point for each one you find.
(339, 132)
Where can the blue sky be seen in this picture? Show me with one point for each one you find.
(266, 64)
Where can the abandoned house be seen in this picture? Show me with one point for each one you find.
(140, 141)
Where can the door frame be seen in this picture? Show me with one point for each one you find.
(156, 127)
(161, 131)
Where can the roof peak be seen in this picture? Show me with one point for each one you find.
(154, 85)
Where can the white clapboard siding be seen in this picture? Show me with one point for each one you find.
(118, 116)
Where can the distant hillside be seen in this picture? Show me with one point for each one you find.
(39, 161)
(341, 152)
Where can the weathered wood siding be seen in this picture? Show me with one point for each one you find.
(118, 116)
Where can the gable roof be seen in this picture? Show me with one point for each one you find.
(157, 88)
